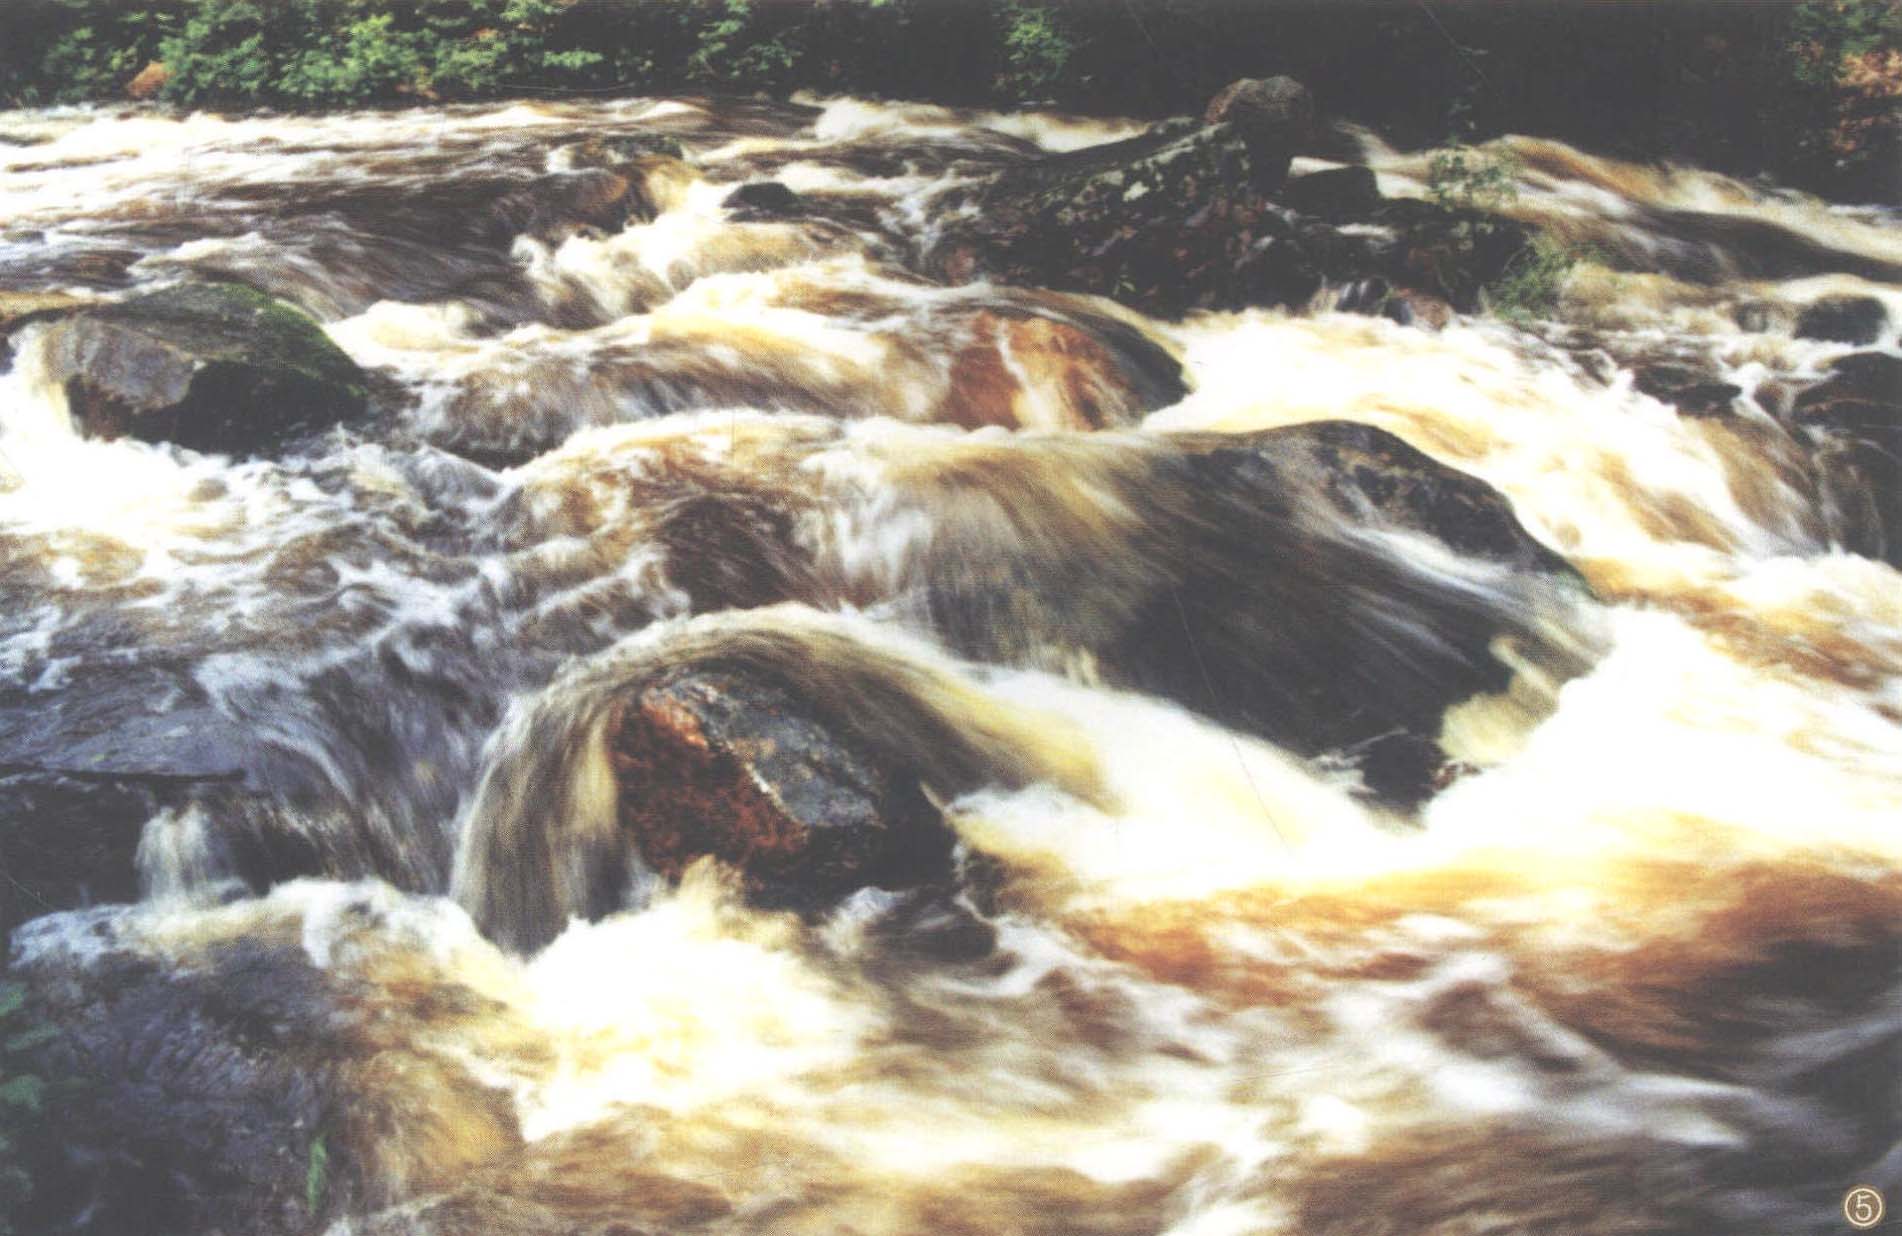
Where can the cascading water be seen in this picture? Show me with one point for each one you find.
(1312, 869)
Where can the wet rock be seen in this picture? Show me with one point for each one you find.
(1160, 221)
(19, 310)
(1319, 641)
(1275, 117)
(1843, 319)
(739, 768)
(1860, 489)
(1376, 297)
(555, 207)
(149, 81)
(1028, 371)
(763, 199)
(213, 367)
(1856, 416)
(611, 150)
(1691, 391)
(1411, 307)
(1325, 586)
(1875, 376)
(81, 773)
(192, 1112)
(197, 1081)
(1177, 220)
(67, 842)
(1334, 192)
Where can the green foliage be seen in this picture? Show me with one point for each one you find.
(735, 46)
(1823, 33)
(1475, 182)
(1532, 282)
(317, 1174)
(367, 59)
(1473, 178)
(104, 47)
(1038, 47)
(22, 1096)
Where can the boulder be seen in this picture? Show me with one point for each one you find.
(1333, 192)
(1324, 586)
(1175, 220)
(739, 768)
(1161, 221)
(1693, 392)
(1034, 372)
(611, 150)
(1843, 319)
(19, 310)
(201, 1081)
(552, 208)
(212, 367)
(766, 199)
(1275, 117)
(1856, 416)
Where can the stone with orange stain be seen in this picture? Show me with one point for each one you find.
(723, 765)
(1038, 373)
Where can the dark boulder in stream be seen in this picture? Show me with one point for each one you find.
(1193, 215)
(1855, 414)
(1843, 319)
(213, 367)
(765, 199)
(739, 768)
(234, 1079)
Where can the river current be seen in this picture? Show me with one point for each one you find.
(1636, 968)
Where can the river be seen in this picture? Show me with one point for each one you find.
(1632, 963)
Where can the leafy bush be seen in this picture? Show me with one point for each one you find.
(21, 1097)
(1532, 282)
(1038, 48)
(1472, 182)
(1473, 178)
(1845, 60)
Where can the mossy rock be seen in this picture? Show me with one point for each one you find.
(210, 366)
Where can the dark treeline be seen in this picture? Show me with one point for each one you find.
(1807, 92)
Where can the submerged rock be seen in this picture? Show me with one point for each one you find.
(1023, 370)
(213, 367)
(764, 199)
(611, 150)
(1691, 390)
(740, 769)
(1325, 586)
(555, 207)
(1843, 319)
(1856, 413)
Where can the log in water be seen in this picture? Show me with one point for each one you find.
(744, 734)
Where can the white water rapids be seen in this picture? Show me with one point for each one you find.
(1637, 969)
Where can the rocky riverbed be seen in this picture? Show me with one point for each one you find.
(706, 665)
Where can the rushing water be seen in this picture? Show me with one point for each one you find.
(1639, 969)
